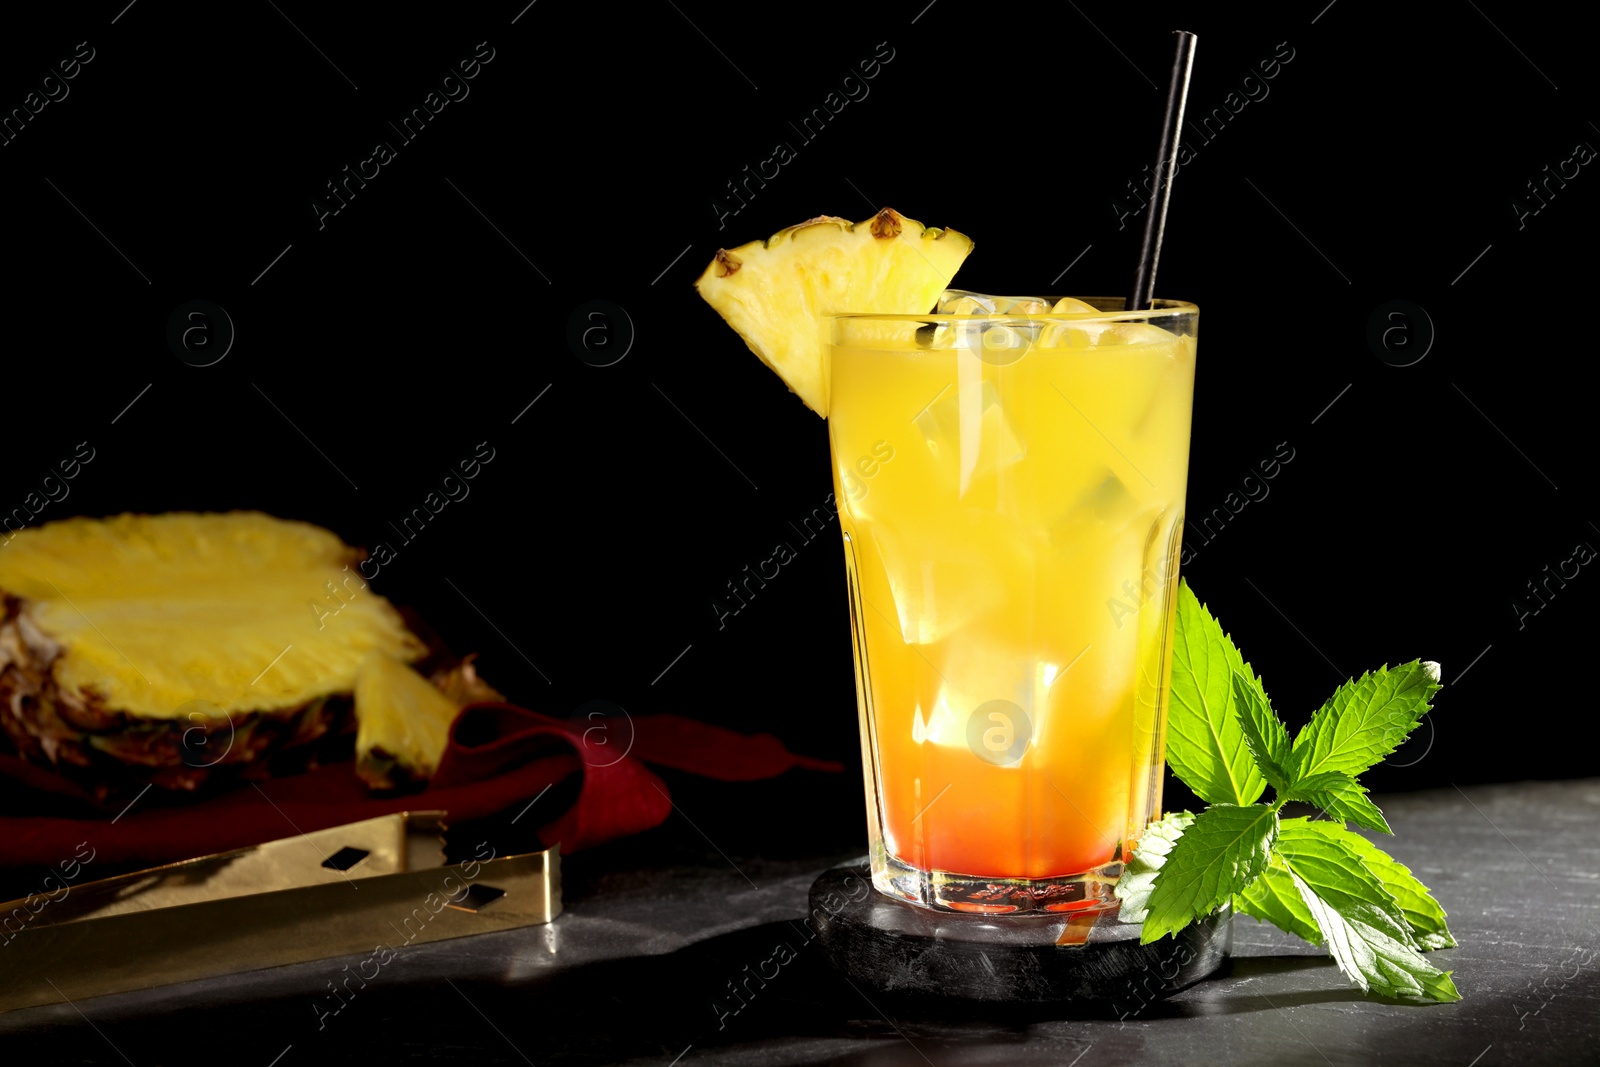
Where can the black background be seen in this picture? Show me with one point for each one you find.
(378, 348)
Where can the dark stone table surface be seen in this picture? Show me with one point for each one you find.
(635, 971)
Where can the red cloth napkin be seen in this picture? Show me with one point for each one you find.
(499, 756)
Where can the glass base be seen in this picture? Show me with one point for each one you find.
(1091, 891)
(922, 962)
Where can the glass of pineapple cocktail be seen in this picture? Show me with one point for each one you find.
(1011, 482)
(1010, 477)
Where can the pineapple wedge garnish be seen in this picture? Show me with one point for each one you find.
(775, 293)
(402, 723)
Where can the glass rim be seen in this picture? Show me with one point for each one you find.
(1160, 308)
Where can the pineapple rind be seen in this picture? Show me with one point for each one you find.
(155, 612)
(782, 287)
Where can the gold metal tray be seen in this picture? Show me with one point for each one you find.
(367, 887)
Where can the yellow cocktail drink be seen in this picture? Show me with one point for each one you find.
(1011, 488)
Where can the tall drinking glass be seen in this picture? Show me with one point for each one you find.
(1011, 491)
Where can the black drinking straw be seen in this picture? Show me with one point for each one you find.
(1155, 221)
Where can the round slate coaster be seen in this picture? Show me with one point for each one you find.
(907, 951)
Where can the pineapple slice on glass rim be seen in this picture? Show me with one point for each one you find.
(777, 293)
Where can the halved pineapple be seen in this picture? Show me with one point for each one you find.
(244, 611)
(158, 648)
(775, 293)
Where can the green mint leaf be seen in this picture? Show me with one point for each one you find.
(1335, 871)
(1139, 876)
(1347, 801)
(1375, 962)
(1218, 856)
(1264, 733)
(1362, 924)
(1205, 742)
(1365, 720)
(1274, 898)
(1320, 780)
(1422, 913)
(1343, 798)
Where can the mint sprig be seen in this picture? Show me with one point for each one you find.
(1320, 881)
